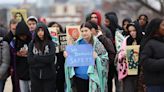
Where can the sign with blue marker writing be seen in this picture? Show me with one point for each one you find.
(79, 55)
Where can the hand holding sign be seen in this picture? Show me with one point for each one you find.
(65, 54)
(95, 55)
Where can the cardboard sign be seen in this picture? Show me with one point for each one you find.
(79, 55)
(132, 57)
(55, 39)
(73, 34)
(62, 42)
(18, 14)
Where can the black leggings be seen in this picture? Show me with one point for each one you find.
(81, 84)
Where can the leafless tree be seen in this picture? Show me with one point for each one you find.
(146, 4)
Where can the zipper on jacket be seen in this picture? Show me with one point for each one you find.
(40, 76)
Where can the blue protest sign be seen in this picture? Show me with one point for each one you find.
(79, 55)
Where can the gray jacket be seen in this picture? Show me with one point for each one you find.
(4, 60)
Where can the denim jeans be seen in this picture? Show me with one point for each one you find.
(24, 86)
(155, 88)
(2, 85)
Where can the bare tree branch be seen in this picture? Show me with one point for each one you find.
(161, 13)
(162, 6)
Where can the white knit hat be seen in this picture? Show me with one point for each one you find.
(32, 17)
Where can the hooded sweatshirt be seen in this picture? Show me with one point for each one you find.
(42, 62)
(22, 67)
(138, 37)
(125, 33)
(113, 23)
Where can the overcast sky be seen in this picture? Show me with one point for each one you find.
(14, 1)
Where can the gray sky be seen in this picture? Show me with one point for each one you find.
(14, 1)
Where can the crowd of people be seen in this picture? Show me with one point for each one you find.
(28, 55)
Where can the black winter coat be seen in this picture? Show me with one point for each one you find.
(42, 66)
(152, 60)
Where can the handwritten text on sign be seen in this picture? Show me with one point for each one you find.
(79, 55)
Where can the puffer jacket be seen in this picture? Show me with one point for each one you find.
(4, 60)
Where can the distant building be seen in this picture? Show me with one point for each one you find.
(60, 1)
(44, 3)
(65, 14)
(4, 16)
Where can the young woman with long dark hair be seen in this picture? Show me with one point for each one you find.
(41, 57)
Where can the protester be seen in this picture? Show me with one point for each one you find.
(142, 22)
(125, 22)
(130, 81)
(151, 57)
(12, 27)
(43, 20)
(4, 60)
(150, 27)
(107, 44)
(104, 40)
(96, 17)
(111, 22)
(10, 38)
(86, 81)
(41, 57)
(31, 22)
(60, 77)
(57, 26)
(23, 38)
